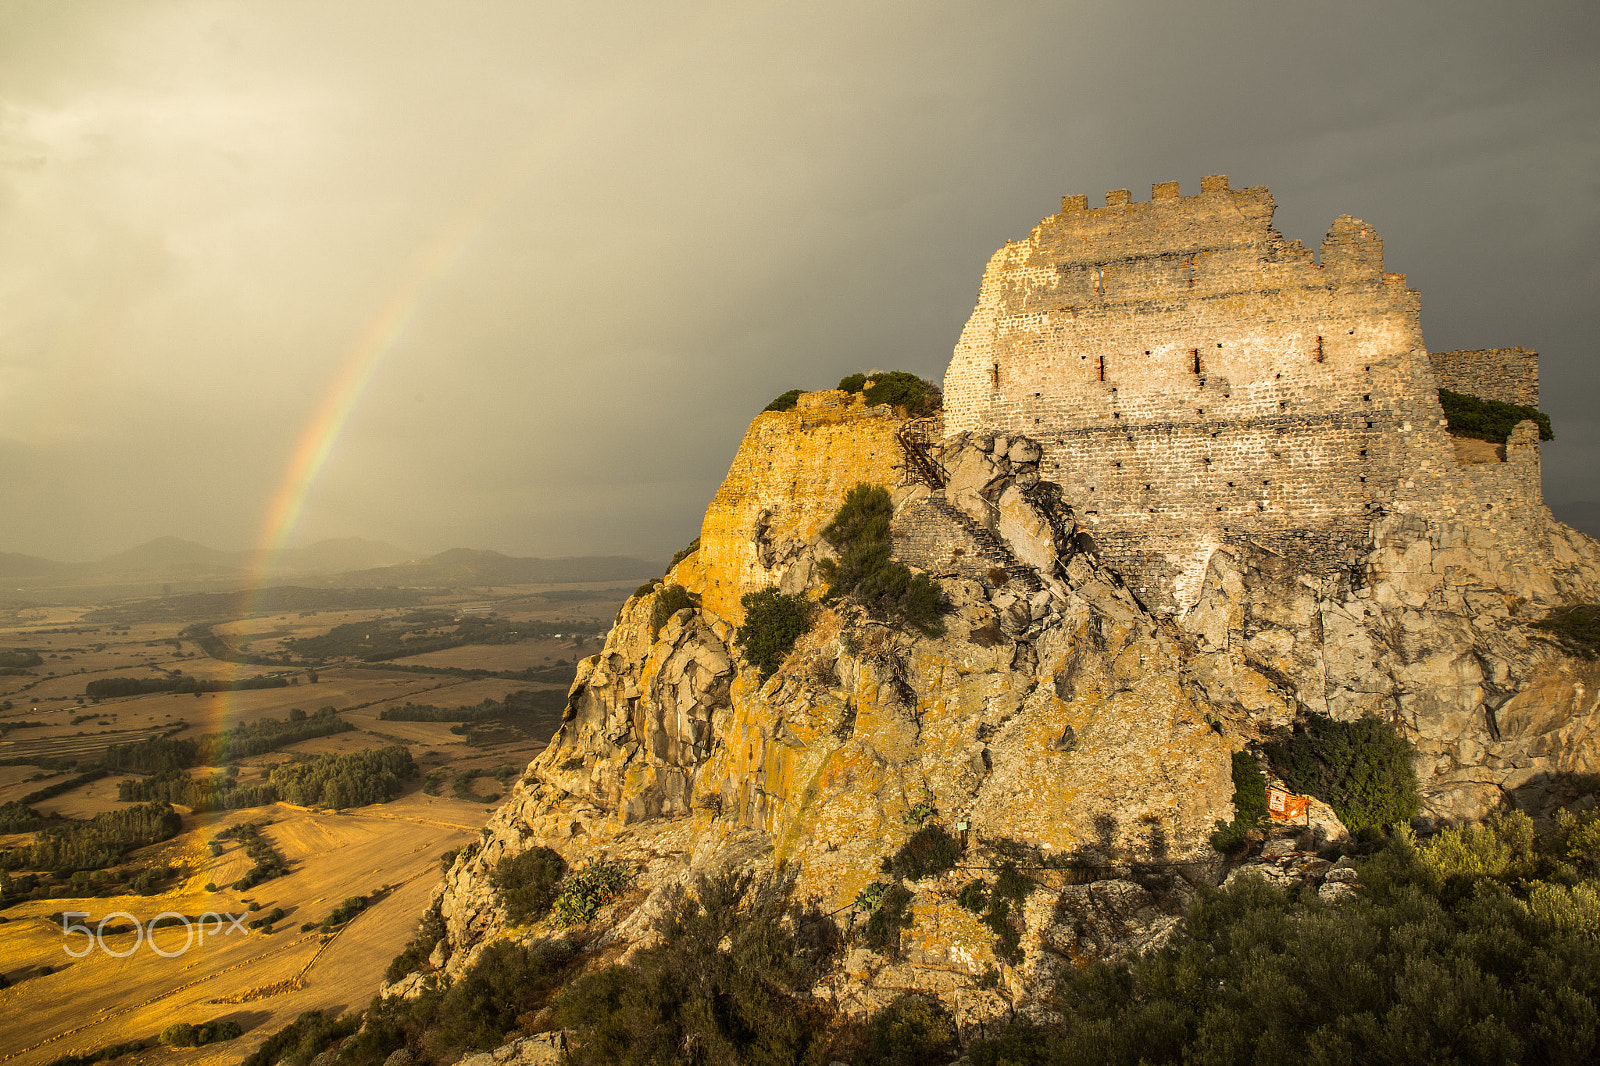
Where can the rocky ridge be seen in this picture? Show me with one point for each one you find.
(1057, 723)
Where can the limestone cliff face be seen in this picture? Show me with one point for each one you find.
(1057, 718)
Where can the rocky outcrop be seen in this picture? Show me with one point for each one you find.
(1057, 723)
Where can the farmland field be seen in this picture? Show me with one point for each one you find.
(52, 729)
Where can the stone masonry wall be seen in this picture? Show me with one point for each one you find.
(787, 481)
(1193, 377)
(1510, 375)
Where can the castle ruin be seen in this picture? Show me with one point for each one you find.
(1196, 379)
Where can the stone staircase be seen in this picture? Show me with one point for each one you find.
(994, 549)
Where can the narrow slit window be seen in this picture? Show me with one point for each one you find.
(1102, 368)
(995, 374)
(1319, 348)
(1196, 353)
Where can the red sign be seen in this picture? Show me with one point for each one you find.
(1285, 806)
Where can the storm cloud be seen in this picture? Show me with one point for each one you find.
(590, 243)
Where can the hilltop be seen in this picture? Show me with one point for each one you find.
(976, 699)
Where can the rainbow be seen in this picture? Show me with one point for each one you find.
(434, 261)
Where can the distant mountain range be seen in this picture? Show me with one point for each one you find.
(350, 562)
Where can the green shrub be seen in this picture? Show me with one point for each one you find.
(528, 881)
(929, 852)
(670, 599)
(912, 1030)
(723, 987)
(681, 555)
(302, 1039)
(1489, 963)
(507, 981)
(865, 571)
(785, 401)
(773, 621)
(430, 930)
(1011, 888)
(1361, 769)
(183, 1034)
(889, 917)
(1473, 416)
(1575, 627)
(899, 388)
(1249, 804)
(105, 1054)
(585, 892)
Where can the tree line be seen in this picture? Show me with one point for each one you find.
(105, 688)
(524, 701)
(159, 754)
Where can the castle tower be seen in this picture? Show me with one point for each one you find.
(1194, 378)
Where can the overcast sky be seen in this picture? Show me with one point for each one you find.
(611, 233)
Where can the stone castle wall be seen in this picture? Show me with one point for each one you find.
(1510, 375)
(787, 481)
(1195, 377)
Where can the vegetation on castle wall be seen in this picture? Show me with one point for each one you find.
(773, 621)
(865, 571)
(527, 882)
(1361, 769)
(1492, 420)
(669, 601)
(684, 553)
(784, 401)
(1249, 804)
(899, 388)
(1480, 946)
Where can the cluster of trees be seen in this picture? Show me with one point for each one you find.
(94, 844)
(19, 658)
(105, 688)
(160, 754)
(18, 817)
(186, 1034)
(345, 780)
(220, 792)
